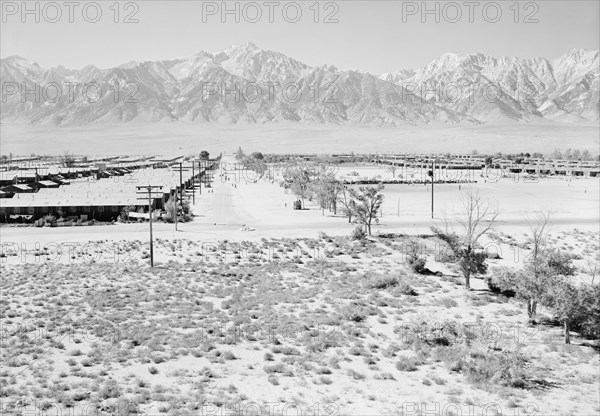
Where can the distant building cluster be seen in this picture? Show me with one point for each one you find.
(522, 165)
(518, 165)
(100, 189)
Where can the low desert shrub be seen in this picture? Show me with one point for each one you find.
(506, 368)
(109, 390)
(417, 265)
(407, 364)
(354, 312)
(586, 300)
(275, 368)
(382, 281)
(356, 375)
(325, 380)
(501, 281)
(414, 257)
(358, 233)
(403, 288)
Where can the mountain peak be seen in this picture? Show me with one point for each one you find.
(14, 58)
(20, 59)
(246, 46)
(89, 67)
(579, 55)
(250, 45)
(128, 65)
(174, 89)
(581, 52)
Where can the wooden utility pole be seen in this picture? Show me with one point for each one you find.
(200, 174)
(149, 189)
(432, 181)
(181, 169)
(193, 184)
(180, 185)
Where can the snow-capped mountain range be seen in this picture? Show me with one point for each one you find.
(246, 84)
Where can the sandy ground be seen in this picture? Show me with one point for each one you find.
(312, 333)
(351, 301)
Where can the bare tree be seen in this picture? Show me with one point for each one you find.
(257, 165)
(478, 220)
(125, 212)
(348, 203)
(368, 204)
(593, 268)
(585, 155)
(568, 154)
(333, 188)
(544, 278)
(327, 188)
(171, 208)
(567, 301)
(536, 264)
(319, 189)
(301, 176)
(556, 154)
(392, 168)
(239, 154)
(67, 159)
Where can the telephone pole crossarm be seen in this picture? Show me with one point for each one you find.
(180, 169)
(149, 190)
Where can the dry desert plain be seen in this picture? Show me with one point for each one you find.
(177, 138)
(293, 317)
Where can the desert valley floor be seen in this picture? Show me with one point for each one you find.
(293, 315)
(185, 137)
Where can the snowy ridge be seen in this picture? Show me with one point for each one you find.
(492, 89)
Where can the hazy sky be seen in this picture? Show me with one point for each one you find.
(374, 36)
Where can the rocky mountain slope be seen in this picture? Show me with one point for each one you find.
(245, 84)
